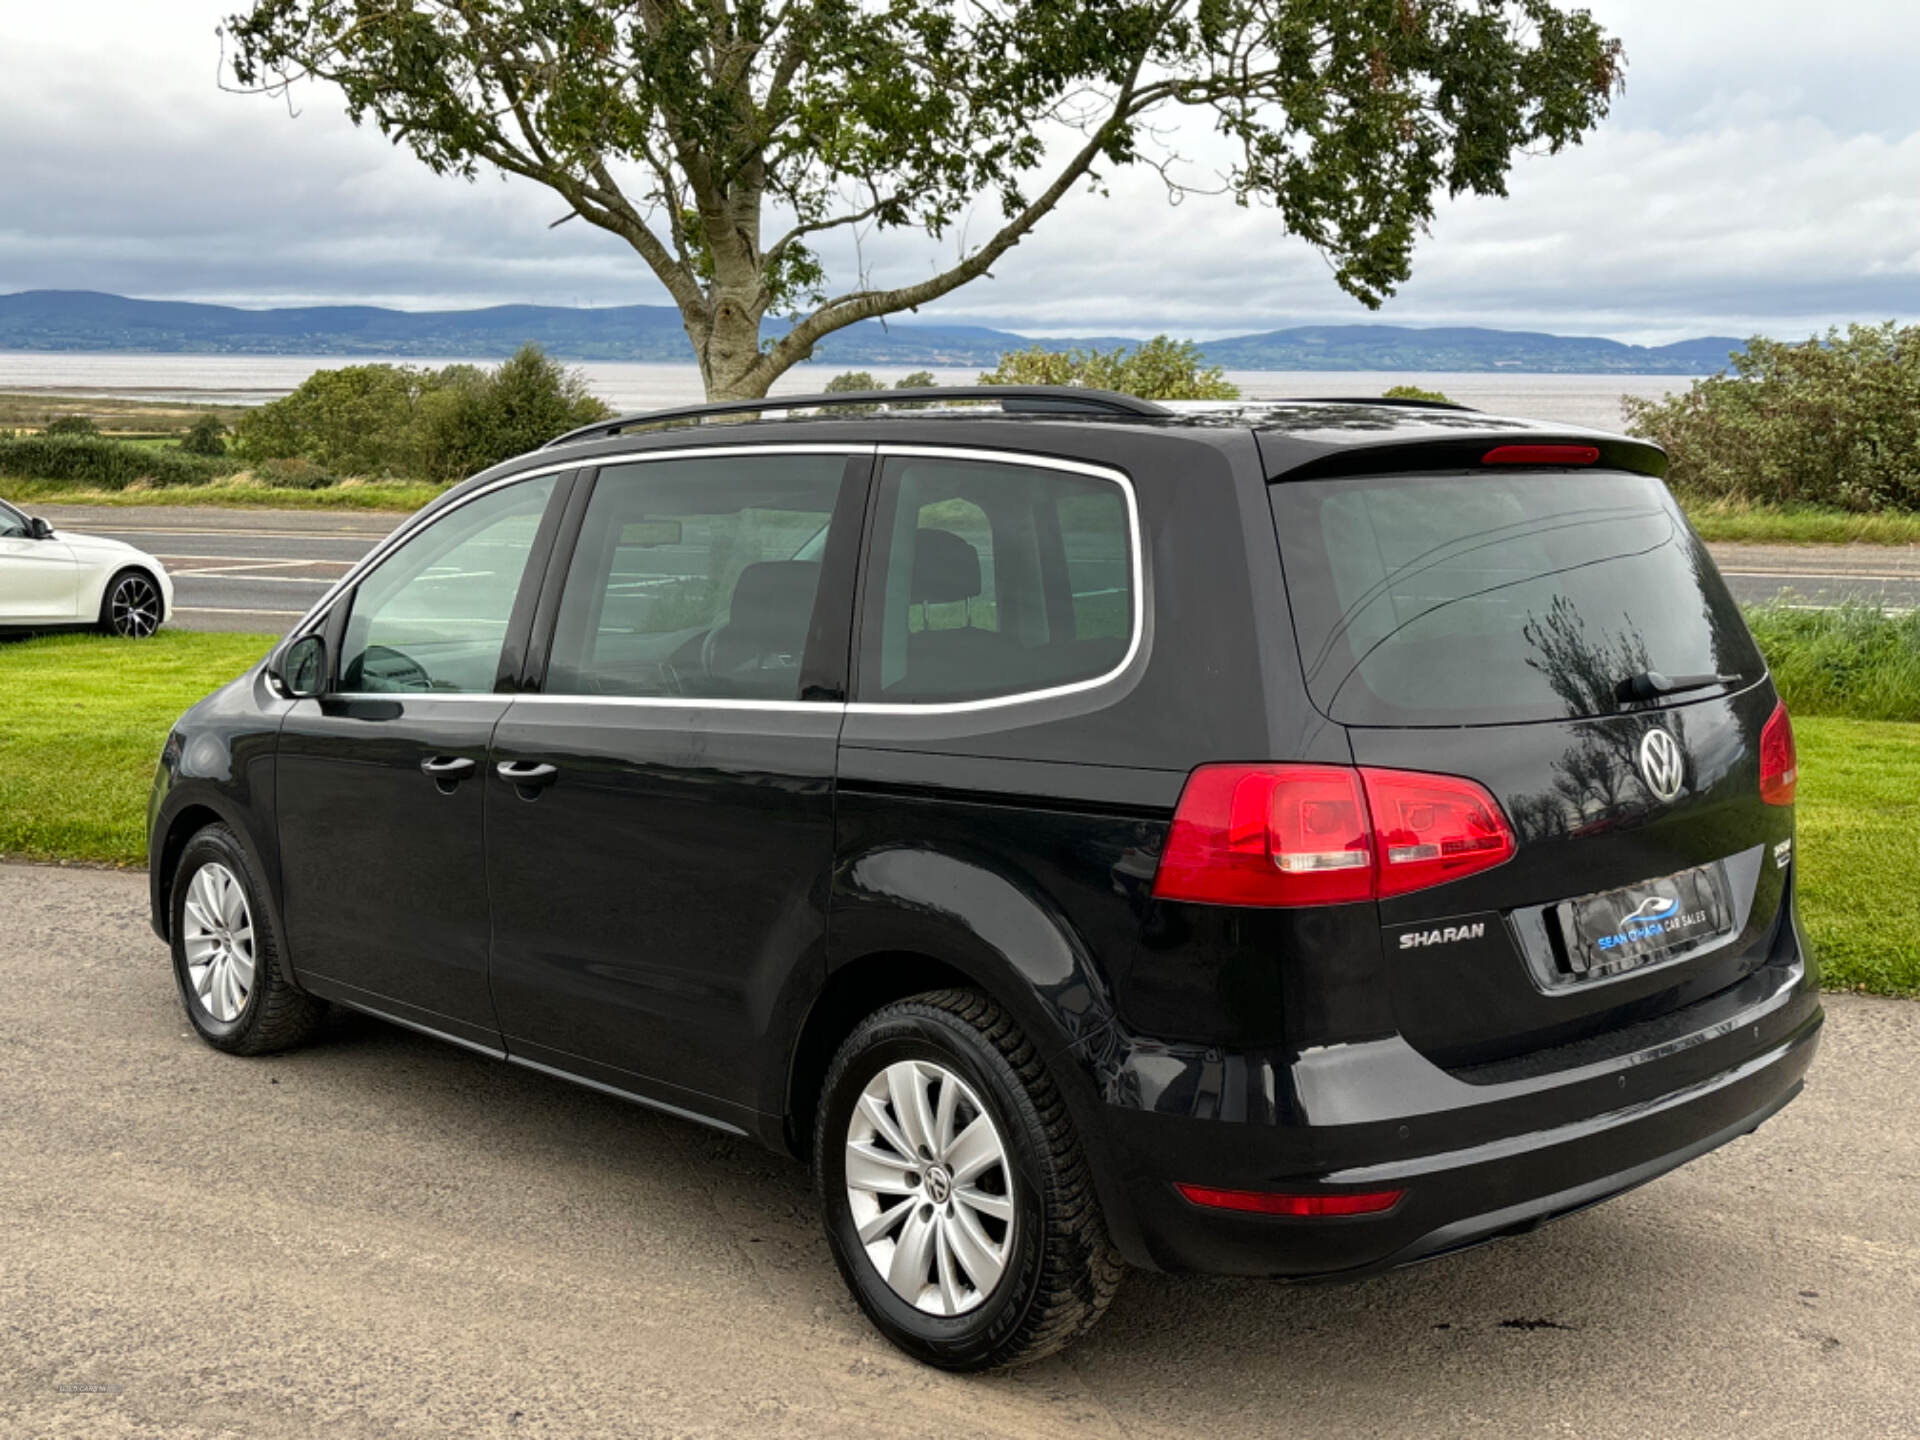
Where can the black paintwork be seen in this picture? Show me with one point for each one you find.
(705, 898)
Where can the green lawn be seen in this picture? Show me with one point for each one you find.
(82, 720)
(399, 496)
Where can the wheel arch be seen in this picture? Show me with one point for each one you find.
(111, 576)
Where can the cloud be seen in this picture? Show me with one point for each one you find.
(1762, 173)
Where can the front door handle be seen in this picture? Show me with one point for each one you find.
(447, 768)
(526, 773)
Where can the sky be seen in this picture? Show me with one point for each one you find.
(1761, 175)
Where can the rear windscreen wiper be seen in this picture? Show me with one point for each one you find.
(1652, 685)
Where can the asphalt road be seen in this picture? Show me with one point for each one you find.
(261, 570)
(385, 1236)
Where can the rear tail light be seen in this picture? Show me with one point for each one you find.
(1779, 764)
(1277, 835)
(1267, 1202)
(1429, 829)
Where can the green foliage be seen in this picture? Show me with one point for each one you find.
(1413, 392)
(294, 472)
(431, 424)
(916, 380)
(102, 463)
(1835, 421)
(1157, 369)
(472, 419)
(206, 436)
(1349, 120)
(848, 382)
(1856, 660)
(69, 426)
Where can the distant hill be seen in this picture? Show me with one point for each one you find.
(85, 320)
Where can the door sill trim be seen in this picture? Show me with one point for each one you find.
(614, 1090)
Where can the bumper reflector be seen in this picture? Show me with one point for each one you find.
(1267, 1202)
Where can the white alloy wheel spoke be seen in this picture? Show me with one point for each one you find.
(915, 1187)
(912, 1253)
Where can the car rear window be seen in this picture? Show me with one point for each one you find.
(1451, 599)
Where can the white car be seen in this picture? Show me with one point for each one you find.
(49, 581)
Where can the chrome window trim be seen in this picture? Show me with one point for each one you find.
(1137, 576)
(685, 702)
(415, 523)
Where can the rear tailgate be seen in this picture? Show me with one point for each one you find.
(1480, 624)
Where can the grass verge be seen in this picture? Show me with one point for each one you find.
(399, 496)
(1719, 520)
(1859, 851)
(82, 720)
(1855, 660)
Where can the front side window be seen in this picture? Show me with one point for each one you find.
(991, 579)
(696, 578)
(433, 615)
(13, 525)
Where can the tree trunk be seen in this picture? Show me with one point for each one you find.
(731, 365)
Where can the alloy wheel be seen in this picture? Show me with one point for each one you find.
(218, 936)
(930, 1187)
(134, 608)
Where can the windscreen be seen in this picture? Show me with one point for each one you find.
(1451, 599)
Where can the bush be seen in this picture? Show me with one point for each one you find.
(471, 419)
(435, 425)
(99, 463)
(356, 420)
(1157, 369)
(206, 436)
(72, 425)
(1413, 392)
(916, 380)
(296, 472)
(848, 381)
(1835, 421)
(1855, 661)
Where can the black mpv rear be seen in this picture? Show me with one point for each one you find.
(1291, 840)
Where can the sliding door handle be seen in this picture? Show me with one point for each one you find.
(527, 774)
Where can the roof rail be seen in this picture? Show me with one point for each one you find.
(1013, 399)
(1406, 400)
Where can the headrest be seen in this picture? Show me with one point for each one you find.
(775, 594)
(945, 568)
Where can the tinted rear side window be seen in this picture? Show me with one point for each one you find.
(1473, 599)
(989, 579)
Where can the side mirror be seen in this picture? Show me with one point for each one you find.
(38, 528)
(301, 670)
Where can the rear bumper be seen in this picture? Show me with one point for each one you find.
(1475, 1161)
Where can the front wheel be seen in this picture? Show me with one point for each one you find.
(226, 953)
(956, 1196)
(131, 607)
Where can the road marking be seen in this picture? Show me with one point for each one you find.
(251, 578)
(249, 559)
(1911, 577)
(363, 535)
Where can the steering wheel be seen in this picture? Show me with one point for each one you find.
(383, 668)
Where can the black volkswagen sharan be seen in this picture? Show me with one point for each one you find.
(1287, 840)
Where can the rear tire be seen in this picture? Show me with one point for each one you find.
(226, 953)
(132, 605)
(932, 1215)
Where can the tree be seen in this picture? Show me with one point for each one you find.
(73, 425)
(1156, 369)
(1831, 421)
(722, 140)
(849, 382)
(1414, 392)
(206, 436)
